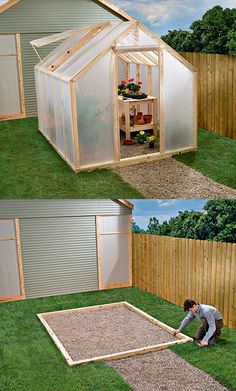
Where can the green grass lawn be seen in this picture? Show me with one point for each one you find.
(29, 359)
(215, 158)
(31, 168)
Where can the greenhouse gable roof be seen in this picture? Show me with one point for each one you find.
(132, 41)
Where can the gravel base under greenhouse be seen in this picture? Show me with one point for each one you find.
(164, 371)
(168, 178)
(109, 330)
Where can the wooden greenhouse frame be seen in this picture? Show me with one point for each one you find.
(182, 338)
(150, 55)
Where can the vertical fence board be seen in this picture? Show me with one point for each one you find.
(216, 92)
(175, 268)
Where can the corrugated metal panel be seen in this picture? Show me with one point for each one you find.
(54, 208)
(59, 255)
(53, 16)
(35, 19)
(29, 60)
(9, 272)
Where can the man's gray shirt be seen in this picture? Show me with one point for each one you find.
(211, 314)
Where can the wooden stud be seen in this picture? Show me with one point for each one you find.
(116, 127)
(100, 283)
(19, 253)
(162, 106)
(130, 49)
(77, 46)
(74, 124)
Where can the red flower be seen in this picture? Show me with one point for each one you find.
(123, 82)
(140, 83)
(130, 80)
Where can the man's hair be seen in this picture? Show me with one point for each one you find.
(189, 303)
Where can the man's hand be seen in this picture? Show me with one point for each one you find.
(176, 332)
(204, 343)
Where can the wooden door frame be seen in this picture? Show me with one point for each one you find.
(99, 260)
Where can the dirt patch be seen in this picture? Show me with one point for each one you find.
(164, 371)
(105, 331)
(168, 178)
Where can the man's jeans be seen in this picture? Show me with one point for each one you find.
(204, 327)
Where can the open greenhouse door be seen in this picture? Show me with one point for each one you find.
(114, 251)
(11, 276)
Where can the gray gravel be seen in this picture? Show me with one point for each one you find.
(164, 370)
(168, 178)
(104, 331)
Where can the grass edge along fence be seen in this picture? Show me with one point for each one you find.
(176, 268)
(216, 91)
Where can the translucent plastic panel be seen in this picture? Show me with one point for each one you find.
(59, 117)
(51, 99)
(178, 94)
(7, 229)
(44, 110)
(9, 273)
(7, 44)
(136, 37)
(94, 99)
(108, 224)
(9, 86)
(67, 120)
(143, 78)
(60, 50)
(114, 259)
(122, 70)
(92, 49)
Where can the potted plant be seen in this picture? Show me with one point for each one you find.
(142, 137)
(151, 141)
(131, 90)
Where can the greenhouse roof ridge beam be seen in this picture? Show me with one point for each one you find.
(143, 48)
(65, 34)
(77, 46)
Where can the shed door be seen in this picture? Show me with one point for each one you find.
(11, 82)
(114, 251)
(11, 273)
(59, 254)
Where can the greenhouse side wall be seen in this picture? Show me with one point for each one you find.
(95, 113)
(179, 104)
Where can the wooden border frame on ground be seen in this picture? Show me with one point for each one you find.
(132, 352)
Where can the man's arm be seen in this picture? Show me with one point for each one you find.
(184, 323)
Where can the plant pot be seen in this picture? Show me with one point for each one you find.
(147, 118)
(129, 142)
(151, 145)
(141, 121)
(138, 116)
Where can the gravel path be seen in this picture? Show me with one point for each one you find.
(168, 178)
(109, 330)
(164, 371)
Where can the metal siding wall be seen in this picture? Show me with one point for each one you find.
(53, 16)
(35, 19)
(59, 255)
(56, 208)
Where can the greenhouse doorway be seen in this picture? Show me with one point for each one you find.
(138, 102)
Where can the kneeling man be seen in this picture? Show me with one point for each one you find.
(210, 318)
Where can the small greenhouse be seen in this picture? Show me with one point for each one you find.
(81, 113)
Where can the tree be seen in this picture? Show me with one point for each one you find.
(217, 222)
(214, 33)
(135, 228)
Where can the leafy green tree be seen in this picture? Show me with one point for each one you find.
(153, 226)
(217, 222)
(135, 228)
(214, 33)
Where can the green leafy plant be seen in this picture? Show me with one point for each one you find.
(130, 89)
(142, 137)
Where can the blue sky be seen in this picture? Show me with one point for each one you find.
(163, 15)
(162, 209)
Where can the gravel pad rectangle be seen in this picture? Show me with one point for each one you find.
(89, 333)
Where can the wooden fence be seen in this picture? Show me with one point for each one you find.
(175, 269)
(216, 92)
